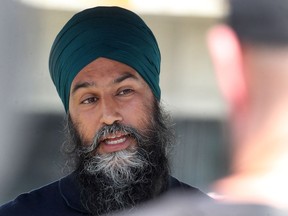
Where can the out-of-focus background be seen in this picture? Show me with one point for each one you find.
(31, 113)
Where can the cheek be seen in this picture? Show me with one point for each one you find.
(138, 115)
(86, 125)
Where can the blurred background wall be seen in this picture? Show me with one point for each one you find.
(32, 116)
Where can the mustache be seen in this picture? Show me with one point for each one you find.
(110, 130)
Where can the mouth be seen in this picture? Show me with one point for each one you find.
(115, 142)
(115, 139)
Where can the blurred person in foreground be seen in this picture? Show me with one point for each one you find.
(105, 64)
(250, 55)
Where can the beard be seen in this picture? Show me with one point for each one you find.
(123, 179)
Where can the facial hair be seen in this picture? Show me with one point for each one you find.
(121, 180)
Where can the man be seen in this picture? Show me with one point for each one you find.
(105, 64)
(250, 55)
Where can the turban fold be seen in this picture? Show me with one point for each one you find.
(110, 32)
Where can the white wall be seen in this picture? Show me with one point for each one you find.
(187, 80)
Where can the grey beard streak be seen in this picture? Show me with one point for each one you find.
(117, 166)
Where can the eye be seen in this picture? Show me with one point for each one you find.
(125, 92)
(90, 100)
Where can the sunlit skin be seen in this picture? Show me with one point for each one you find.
(107, 91)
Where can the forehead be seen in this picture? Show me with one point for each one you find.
(105, 70)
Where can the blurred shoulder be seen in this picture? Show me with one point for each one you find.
(176, 185)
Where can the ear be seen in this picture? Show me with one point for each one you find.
(226, 54)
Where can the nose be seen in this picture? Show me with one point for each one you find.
(109, 112)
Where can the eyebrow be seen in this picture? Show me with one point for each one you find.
(82, 85)
(120, 79)
(125, 76)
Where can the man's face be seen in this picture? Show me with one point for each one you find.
(120, 136)
(106, 92)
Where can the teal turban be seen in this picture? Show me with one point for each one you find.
(110, 32)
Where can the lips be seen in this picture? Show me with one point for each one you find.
(114, 139)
